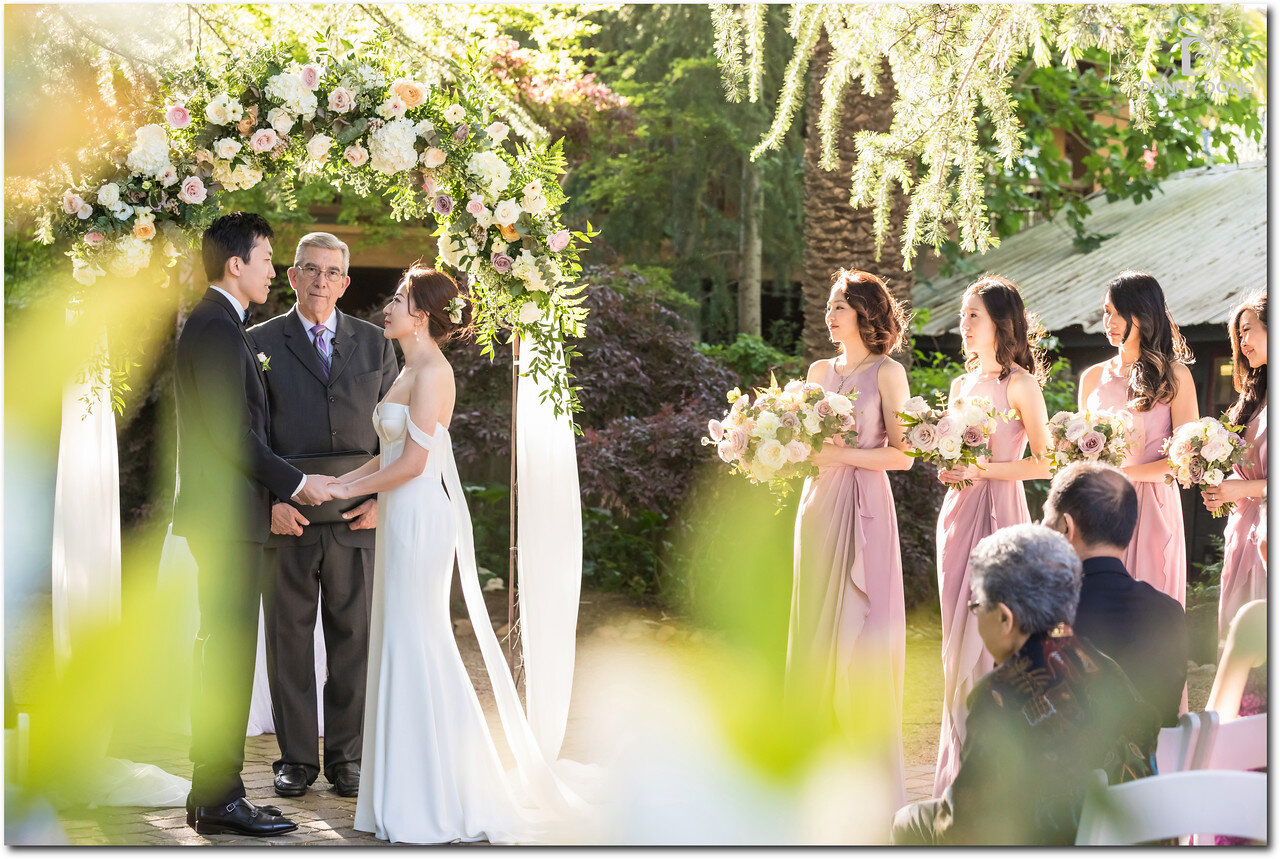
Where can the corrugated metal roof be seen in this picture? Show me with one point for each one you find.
(1204, 239)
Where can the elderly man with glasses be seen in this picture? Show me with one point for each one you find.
(325, 371)
(1053, 710)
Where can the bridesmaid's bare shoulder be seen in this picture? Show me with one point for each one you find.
(1091, 375)
(891, 370)
(818, 369)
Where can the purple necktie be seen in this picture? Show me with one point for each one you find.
(322, 346)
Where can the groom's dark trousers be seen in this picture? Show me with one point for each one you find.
(226, 476)
(329, 565)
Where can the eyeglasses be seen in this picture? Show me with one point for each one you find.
(974, 605)
(331, 274)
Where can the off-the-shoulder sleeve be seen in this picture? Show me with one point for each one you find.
(424, 439)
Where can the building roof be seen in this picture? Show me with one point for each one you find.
(1204, 238)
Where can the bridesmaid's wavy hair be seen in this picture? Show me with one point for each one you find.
(1018, 333)
(1137, 297)
(430, 292)
(882, 319)
(1250, 382)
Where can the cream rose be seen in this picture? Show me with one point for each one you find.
(507, 212)
(433, 157)
(497, 132)
(341, 100)
(454, 113)
(280, 119)
(356, 155)
(318, 146)
(109, 195)
(771, 454)
(226, 148)
(530, 313)
(949, 446)
(797, 451)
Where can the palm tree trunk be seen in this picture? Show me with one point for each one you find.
(752, 251)
(835, 234)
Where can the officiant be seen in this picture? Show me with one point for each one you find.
(325, 372)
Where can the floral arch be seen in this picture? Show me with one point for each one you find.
(367, 125)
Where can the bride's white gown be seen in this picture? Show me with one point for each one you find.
(430, 772)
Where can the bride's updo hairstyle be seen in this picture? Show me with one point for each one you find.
(433, 292)
(882, 319)
(1018, 333)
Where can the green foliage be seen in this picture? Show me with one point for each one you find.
(668, 189)
(965, 96)
(753, 360)
(1207, 577)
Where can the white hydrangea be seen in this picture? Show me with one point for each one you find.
(526, 268)
(391, 147)
(370, 77)
(289, 90)
(131, 256)
(491, 170)
(150, 155)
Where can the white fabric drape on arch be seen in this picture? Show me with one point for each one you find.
(549, 561)
(86, 573)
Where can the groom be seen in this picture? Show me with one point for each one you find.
(226, 477)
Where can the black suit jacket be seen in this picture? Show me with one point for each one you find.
(1142, 629)
(226, 471)
(311, 414)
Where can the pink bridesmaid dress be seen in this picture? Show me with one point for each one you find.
(1244, 575)
(968, 515)
(847, 610)
(1157, 553)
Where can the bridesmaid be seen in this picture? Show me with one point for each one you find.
(1149, 378)
(1003, 366)
(848, 622)
(1244, 571)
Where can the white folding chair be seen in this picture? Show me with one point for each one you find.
(1176, 747)
(1240, 744)
(1174, 806)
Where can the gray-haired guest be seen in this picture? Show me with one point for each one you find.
(1143, 630)
(1053, 710)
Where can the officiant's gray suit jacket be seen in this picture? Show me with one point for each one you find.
(314, 415)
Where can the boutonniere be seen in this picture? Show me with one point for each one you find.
(265, 361)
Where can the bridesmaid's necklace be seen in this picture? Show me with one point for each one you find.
(847, 376)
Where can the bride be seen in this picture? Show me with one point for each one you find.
(431, 772)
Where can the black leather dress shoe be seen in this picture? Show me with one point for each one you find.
(241, 817)
(291, 780)
(345, 779)
(265, 809)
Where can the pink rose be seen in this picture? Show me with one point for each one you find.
(475, 206)
(177, 116)
(797, 451)
(947, 427)
(71, 203)
(793, 386)
(738, 440)
(848, 422)
(94, 239)
(310, 76)
(715, 429)
(558, 241)
(922, 437)
(1092, 443)
(192, 191)
(972, 436)
(823, 409)
(341, 100)
(356, 155)
(264, 140)
(501, 263)
(725, 451)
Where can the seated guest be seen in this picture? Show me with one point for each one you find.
(1052, 711)
(1142, 629)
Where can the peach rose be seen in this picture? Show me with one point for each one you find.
(145, 230)
(341, 100)
(508, 233)
(356, 155)
(248, 121)
(412, 92)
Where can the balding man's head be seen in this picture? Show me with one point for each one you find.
(1100, 501)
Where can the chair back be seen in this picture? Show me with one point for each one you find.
(1175, 805)
(1240, 744)
(1176, 747)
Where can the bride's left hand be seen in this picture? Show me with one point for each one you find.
(341, 490)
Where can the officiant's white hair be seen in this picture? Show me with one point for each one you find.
(327, 241)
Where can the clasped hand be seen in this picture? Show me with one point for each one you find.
(317, 489)
(956, 475)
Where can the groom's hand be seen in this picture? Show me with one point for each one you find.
(364, 516)
(317, 489)
(287, 519)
